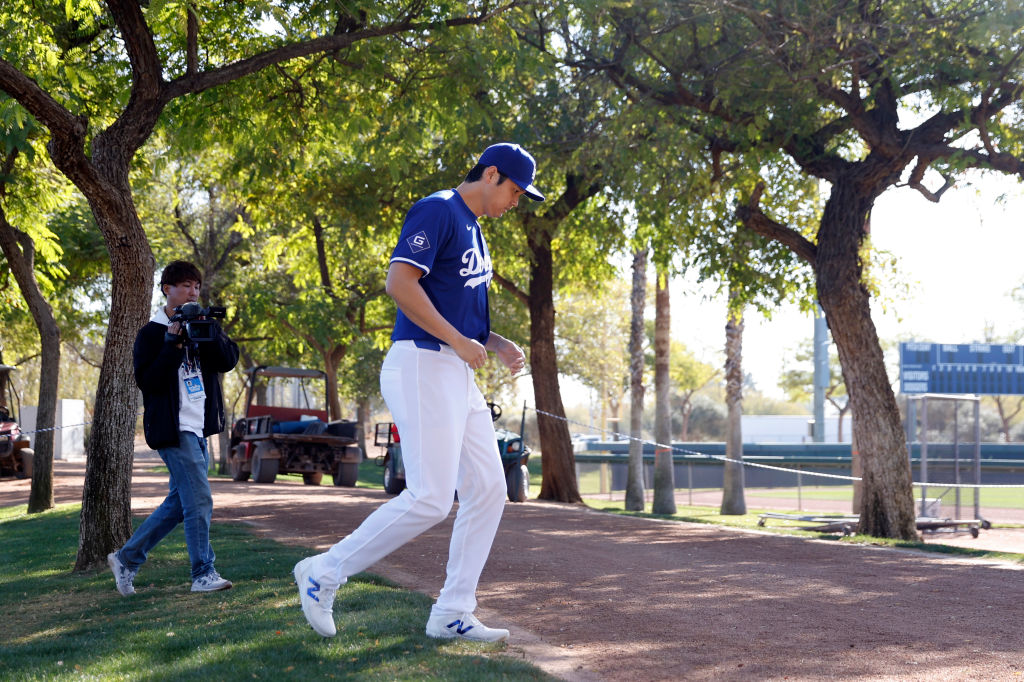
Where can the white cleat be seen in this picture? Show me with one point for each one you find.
(317, 601)
(463, 626)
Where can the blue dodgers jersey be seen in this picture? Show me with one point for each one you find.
(442, 238)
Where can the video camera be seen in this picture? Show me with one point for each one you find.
(194, 328)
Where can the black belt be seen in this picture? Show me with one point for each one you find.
(427, 344)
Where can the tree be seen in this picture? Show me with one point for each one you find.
(569, 126)
(689, 376)
(664, 467)
(798, 381)
(733, 501)
(834, 84)
(20, 251)
(32, 197)
(635, 497)
(100, 108)
(592, 337)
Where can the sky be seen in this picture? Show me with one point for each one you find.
(960, 259)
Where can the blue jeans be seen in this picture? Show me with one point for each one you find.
(188, 499)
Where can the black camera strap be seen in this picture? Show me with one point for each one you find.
(191, 357)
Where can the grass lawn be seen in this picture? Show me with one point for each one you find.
(1002, 498)
(60, 625)
(749, 521)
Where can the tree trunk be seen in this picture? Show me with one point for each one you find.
(635, 478)
(106, 498)
(363, 418)
(856, 470)
(887, 508)
(558, 464)
(19, 250)
(4, 378)
(685, 411)
(664, 470)
(223, 449)
(733, 500)
(332, 359)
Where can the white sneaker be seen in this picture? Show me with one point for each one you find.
(211, 582)
(463, 626)
(317, 601)
(123, 576)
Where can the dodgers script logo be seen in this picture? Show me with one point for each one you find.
(478, 268)
(418, 242)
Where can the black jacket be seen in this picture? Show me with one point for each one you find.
(156, 373)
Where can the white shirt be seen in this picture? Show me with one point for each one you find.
(191, 413)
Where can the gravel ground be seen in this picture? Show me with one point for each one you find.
(595, 596)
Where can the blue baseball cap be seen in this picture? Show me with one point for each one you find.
(515, 162)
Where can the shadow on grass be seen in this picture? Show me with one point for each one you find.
(64, 625)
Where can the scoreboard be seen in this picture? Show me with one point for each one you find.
(978, 368)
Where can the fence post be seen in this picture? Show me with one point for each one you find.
(977, 459)
(799, 489)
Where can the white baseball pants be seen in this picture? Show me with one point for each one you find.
(448, 443)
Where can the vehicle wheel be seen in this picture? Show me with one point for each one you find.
(313, 479)
(27, 457)
(518, 482)
(264, 469)
(392, 483)
(237, 460)
(346, 473)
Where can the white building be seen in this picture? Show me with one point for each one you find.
(791, 428)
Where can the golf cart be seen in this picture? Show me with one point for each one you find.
(514, 456)
(15, 454)
(287, 429)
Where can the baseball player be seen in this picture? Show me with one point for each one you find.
(438, 276)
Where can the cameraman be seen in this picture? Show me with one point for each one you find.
(182, 405)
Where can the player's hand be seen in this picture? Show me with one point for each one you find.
(512, 356)
(472, 353)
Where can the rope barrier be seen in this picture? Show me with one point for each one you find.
(55, 428)
(675, 448)
(65, 426)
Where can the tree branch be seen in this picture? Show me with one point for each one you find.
(310, 339)
(191, 41)
(190, 84)
(917, 175)
(38, 102)
(321, 257)
(511, 288)
(179, 222)
(141, 49)
(234, 241)
(147, 99)
(82, 356)
(754, 219)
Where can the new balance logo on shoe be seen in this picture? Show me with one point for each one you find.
(463, 626)
(457, 624)
(315, 588)
(317, 601)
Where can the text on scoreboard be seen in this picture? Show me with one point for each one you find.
(978, 368)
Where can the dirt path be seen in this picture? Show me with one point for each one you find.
(593, 596)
